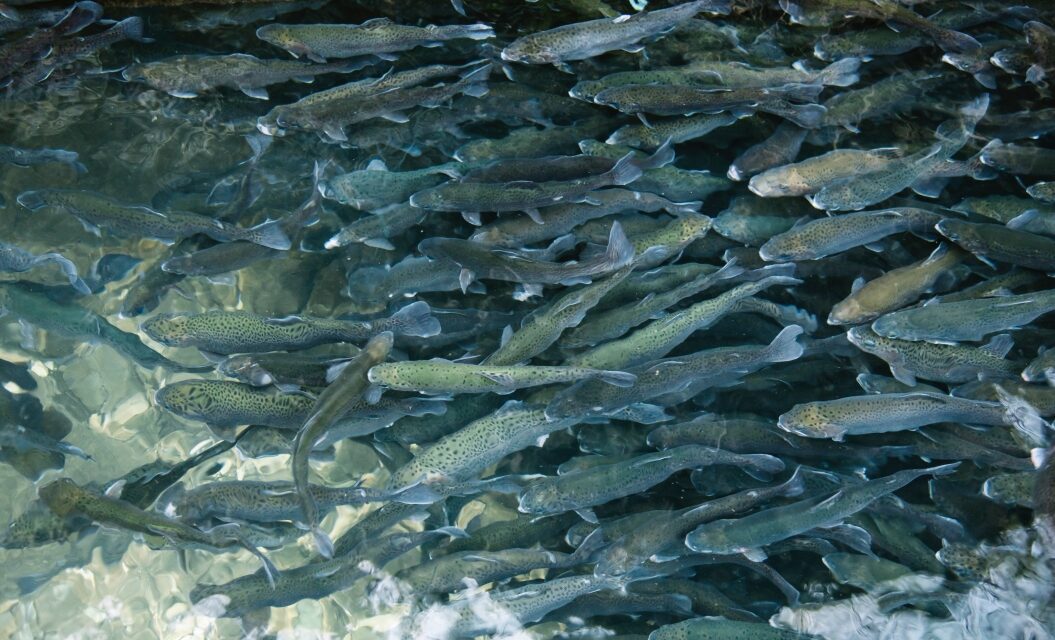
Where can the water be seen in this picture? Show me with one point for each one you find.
(971, 561)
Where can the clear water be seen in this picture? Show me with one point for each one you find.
(141, 146)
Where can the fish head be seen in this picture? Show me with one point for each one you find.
(586, 90)
(617, 98)
(282, 37)
(428, 199)
(810, 421)
(847, 311)
(61, 496)
(186, 399)
(540, 499)
(529, 52)
(169, 329)
(864, 339)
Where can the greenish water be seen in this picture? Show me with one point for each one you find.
(724, 343)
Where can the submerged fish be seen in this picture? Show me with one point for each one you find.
(583, 40)
(17, 260)
(379, 37)
(443, 376)
(582, 489)
(880, 413)
(96, 211)
(969, 320)
(749, 534)
(192, 75)
(228, 332)
(25, 157)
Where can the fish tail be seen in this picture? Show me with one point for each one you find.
(841, 73)
(620, 251)
(132, 28)
(323, 542)
(722, 7)
(785, 347)
(625, 171)
(69, 269)
(271, 234)
(663, 156)
(416, 319)
(474, 83)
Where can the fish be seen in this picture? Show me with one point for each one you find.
(823, 237)
(993, 242)
(874, 187)
(675, 100)
(20, 439)
(584, 40)
(38, 45)
(586, 488)
(673, 380)
(14, 259)
(64, 497)
(480, 261)
(35, 308)
(965, 320)
(378, 37)
(676, 130)
(950, 364)
(882, 413)
(897, 288)
(820, 12)
(256, 501)
(544, 327)
(189, 76)
(313, 580)
(749, 534)
(674, 183)
(96, 211)
(440, 376)
(32, 157)
(813, 174)
(522, 604)
(231, 332)
(515, 231)
(330, 112)
(657, 339)
(464, 454)
(659, 535)
(522, 192)
(613, 323)
(450, 573)
(375, 187)
(348, 385)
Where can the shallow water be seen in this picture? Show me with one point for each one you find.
(143, 147)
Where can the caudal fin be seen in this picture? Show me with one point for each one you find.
(626, 170)
(415, 319)
(785, 346)
(663, 156)
(620, 251)
(270, 234)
